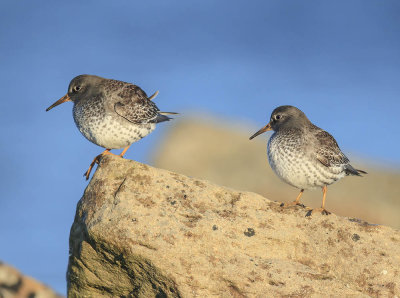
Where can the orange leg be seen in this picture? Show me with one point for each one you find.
(324, 190)
(124, 151)
(294, 203)
(96, 160)
(322, 209)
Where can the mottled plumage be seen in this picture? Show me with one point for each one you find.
(302, 154)
(110, 113)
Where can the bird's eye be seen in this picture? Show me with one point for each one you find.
(77, 88)
(277, 117)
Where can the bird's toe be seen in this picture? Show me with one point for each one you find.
(322, 211)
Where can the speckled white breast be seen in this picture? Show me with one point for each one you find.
(294, 164)
(109, 130)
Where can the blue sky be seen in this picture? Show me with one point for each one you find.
(338, 61)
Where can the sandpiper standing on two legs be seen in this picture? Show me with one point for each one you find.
(111, 113)
(303, 155)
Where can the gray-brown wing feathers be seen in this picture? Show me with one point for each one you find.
(137, 113)
(328, 152)
(330, 155)
(134, 106)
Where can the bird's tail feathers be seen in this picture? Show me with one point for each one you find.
(161, 117)
(349, 170)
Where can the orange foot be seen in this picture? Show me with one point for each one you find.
(98, 157)
(294, 203)
(323, 211)
(96, 160)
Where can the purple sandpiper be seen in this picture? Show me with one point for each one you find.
(111, 113)
(303, 155)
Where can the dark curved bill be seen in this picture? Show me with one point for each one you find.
(262, 130)
(58, 102)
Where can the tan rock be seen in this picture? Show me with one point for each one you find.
(146, 232)
(220, 151)
(14, 284)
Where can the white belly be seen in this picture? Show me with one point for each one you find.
(298, 169)
(112, 133)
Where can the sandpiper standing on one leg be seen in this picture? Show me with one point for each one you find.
(303, 155)
(111, 113)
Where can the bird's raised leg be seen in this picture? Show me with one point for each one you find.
(96, 160)
(294, 203)
(322, 209)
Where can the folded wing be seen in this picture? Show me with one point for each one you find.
(134, 105)
(330, 155)
(328, 152)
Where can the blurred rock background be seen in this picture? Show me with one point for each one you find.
(220, 151)
(14, 284)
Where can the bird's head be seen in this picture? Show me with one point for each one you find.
(79, 87)
(284, 117)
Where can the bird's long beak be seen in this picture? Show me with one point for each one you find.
(262, 130)
(58, 102)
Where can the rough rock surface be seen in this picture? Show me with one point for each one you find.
(14, 284)
(225, 155)
(146, 232)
